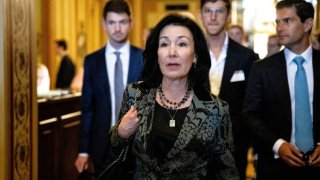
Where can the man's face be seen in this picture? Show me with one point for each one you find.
(214, 17)
(117, 26)
(236, 34)
(291, 32)
(58, 49)
(273, 46)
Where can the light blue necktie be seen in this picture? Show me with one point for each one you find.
(303, 123)
(118, 84)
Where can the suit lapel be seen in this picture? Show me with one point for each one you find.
(316, 90)
(231, 64)
(133, 65)
(279, 82)
(102, 73)
(145, 106)
(197, 113)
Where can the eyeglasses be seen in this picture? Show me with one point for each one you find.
(208, 11)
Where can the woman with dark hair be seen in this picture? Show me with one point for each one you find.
(179, 130)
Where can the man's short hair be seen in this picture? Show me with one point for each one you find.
(236, 26)
(228, 3)
(62, 43)
(304, 9)
(117, 6)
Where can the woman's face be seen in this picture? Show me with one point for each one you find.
(176, 52)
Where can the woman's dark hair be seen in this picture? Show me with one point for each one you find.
(198, 75)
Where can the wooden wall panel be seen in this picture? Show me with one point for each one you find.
(19, 79)
(22, 44)
(157, 9)
(317, 17)
(59, 132)
(5, 166)
(138, 12)
(76, 21)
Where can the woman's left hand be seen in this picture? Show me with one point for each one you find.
(128, 124)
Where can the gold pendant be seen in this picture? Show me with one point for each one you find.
(172, 123)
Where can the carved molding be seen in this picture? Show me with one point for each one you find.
(20, 22)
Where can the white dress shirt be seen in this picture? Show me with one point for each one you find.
(110, 65)
(217, 67)
(111, 62)
(43, 79)
(291, 72)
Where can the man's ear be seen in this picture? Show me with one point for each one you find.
(200, 15)
(104, 24)
(131, 23)
(308, 23)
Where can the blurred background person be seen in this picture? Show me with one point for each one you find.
(106, 73)
(273, 45)
(43, 78)
(230, 67)
(315, 40)
(66, 70)
(236, 33)
(77, 81)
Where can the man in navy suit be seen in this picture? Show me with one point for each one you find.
(273, 100)
(98, 93)
(230, 67)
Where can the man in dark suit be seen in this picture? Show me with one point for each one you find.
(67, 68)
(282, 102)
(99, 98)
(230, 67)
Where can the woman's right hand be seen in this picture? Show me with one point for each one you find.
(128, 124)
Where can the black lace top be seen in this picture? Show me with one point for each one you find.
(162, 135)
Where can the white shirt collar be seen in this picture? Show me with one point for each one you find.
(223, 49)
(125, 49)
(226, 41)
(307, 55)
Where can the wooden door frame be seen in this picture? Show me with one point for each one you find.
(18, 100)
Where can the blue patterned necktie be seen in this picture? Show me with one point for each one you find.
(303, 123)
(118, 84)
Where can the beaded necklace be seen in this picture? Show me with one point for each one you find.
(173, 106)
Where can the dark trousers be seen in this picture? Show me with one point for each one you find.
(99, 167)
(242, 146)
(277, 169)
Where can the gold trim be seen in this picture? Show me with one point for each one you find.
(70, 115)
(71, 124)
(47, 121)
(5, 96)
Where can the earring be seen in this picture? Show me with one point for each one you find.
(195, 63)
